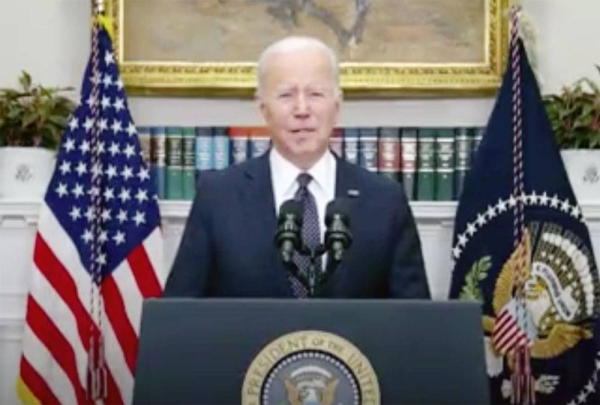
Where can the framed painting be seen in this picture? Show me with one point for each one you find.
(385, 47)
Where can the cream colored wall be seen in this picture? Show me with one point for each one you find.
(50, 39)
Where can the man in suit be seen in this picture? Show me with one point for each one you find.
(228, 248)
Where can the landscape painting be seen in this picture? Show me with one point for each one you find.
(398, 45)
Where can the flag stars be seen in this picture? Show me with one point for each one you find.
(116, 127)
(143, 174)
(84, 147)
(61, 190)
(119, 238)
(111, 171)
(77, 190)
(481, 220)
(73, 123)
(125, 195)
(456, 252)
(141, 196)
(114, 149)
(75, 213)
(88, 124)
(544, 199)
(109, 194)
(565, 206)
(81, 169)
(491, 212)
(89, 214)
(65, 167)
(119, 104)
(105, 215)
(106, 102)
(101, 259)
(554, 202)
(69, 145)
(127, 173)
(119, 84)
(109, 58)
(122, 216)
(103, 124)
(91, 101)
(462, 239)
(107, 81)
(131, 129)
(575, 211)
(103, 237)
(129, 151)
(87, 236)
(471, 229)
(139, 218)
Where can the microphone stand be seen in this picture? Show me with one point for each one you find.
(315, 275)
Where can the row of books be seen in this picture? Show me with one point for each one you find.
(431, 163)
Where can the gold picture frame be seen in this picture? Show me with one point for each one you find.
(144, 76)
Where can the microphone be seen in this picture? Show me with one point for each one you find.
(289, 229)
(337, 220)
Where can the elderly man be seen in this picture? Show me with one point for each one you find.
(228, 249)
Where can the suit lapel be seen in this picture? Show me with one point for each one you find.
(259, 206)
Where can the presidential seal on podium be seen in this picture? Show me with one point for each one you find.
(310, 368)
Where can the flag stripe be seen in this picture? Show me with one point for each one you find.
(32, 388)
(59, 277)
(155, 256)
(115, 361)
(61, 350)
(60, 280)
(57, 310)
(127, 286)
(144, 274)
(48, 363)
(117, 316)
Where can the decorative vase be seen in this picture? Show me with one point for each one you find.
(583, 169)
(25, 172)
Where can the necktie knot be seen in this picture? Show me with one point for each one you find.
(304, 179)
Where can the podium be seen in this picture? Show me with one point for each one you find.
(315, 351)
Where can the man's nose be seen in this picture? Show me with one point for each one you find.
(301, 106)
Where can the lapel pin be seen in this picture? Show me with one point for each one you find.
(353, 193)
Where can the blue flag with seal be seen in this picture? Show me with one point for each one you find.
(522, 247)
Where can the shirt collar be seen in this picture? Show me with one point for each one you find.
(285, 173)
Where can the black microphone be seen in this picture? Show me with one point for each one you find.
(289, 229)
(337, 220)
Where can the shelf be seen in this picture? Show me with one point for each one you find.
(424, 211)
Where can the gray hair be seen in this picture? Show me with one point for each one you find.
(291, 44)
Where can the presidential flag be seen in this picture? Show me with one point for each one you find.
(97, 254)
(521, 246)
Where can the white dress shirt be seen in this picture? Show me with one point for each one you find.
(322, 186)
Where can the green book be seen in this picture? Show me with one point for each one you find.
(462, 158)
(174, 181)
(444, 168)
(189, 158)
(426, 164)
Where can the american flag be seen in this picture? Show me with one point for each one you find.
(97, 253)
(509, 332)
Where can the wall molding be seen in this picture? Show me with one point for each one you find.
(177, 211)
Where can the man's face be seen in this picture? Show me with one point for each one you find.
(299, 104)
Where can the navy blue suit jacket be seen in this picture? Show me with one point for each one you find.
(228, 250)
